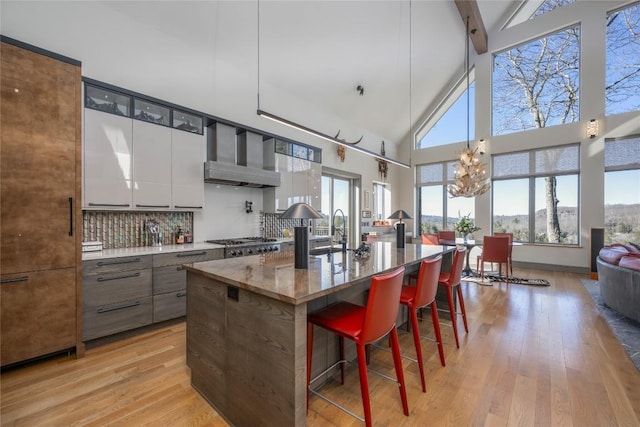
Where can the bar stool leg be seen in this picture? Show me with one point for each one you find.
(464, 312)
(416, 341)
(397, 362)
(364, 383)
(341, 347)
(309, 358)
(436, 327)
(452, 313)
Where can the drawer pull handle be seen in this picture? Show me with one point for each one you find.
(191, 254)
(113, 205)
(15, 279)
(124, 276)
(179, 268)
(118, 307)
(151, 206)
(70, 216)
(101, 263)
(181, 294)
(187, 207)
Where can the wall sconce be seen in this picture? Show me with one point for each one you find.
(482, 146)
(592, 128)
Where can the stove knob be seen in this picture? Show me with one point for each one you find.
(239, 252)
(270, 249)
(232, 253)
(249, 251)
(275, 249)
(260, 250)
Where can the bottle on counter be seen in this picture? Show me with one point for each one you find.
(179, 236)
(188, 237)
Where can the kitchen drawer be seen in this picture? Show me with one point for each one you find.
(170, 305)
(108, 288)
(111, 265)
(113, 318)
(169, 278)
(178, 258)
(287, 246)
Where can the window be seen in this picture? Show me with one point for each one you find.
(451, 127)
(535, 195)
(536, 84)
(336, 194)
(549, 5)
(436, 210)
(622, 90)
(622, 190)
(381, 202)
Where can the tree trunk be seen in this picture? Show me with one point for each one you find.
(553, 224)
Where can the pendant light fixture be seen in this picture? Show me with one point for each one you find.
(470, 176)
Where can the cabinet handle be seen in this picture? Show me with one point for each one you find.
(15, 279)
(179, 268)
(101, 263)
(113, 205)
(181, 294)
(118, 307)
(70, 216)
(191, 254)
(124, 276)
(187, 207)
(152, 206)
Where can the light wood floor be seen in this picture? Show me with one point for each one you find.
(534, 356)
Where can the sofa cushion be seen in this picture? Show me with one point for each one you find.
(631, 261)
(612, 254)
(633, 249)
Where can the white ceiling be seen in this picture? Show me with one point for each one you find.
(203, 54)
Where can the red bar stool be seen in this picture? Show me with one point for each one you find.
(363, 325)
(419, 296)
(451, 279)
(447, 237)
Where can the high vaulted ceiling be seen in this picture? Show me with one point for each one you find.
(312, 54)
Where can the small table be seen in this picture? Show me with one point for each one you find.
(467, 271)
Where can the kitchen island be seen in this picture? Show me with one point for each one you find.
(247, 319)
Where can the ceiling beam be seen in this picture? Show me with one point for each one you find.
(477, 31)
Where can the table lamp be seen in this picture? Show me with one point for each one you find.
(400, 234)
(301, 233)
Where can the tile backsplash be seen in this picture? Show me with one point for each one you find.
(274, 226)
(126, 229)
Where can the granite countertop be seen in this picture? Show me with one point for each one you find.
(147, 250)
(274, 275)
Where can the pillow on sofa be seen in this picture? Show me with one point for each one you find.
(631, 261)
(612, 254)
(632, 248)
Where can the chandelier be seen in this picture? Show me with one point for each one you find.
(469, 175)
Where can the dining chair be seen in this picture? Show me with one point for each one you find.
(495, 249)
(451, 279)
(420, 296)
(446, 236)
(430, 239)
(365, 326)
(510, 262)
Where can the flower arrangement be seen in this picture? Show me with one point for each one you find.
(465, 226)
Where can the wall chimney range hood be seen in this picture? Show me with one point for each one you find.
(236, 160)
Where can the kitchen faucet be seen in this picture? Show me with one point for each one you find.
(343, 241)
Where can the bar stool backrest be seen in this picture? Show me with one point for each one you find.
(383, 304)
(427, 284)
(449, 236)
(456, 267)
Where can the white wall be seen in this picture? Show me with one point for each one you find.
(591, 16)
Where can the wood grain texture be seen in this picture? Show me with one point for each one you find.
(536, 356)
(41, 216)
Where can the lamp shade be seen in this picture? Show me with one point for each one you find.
(400, 214)
(300, 210)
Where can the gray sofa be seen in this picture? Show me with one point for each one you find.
(620, 288)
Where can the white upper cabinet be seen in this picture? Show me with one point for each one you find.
(107, 160)
(151, 165)
(188, 154)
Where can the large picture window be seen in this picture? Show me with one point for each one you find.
(622, 90)
(622, 190)
(535, 195)
(437, 211)
(536, 84)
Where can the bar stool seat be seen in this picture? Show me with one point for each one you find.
(364, 326)
(419, 296)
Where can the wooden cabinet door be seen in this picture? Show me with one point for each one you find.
(108, 157)
(187, 164)
(37, 161)
(38, 314)
(151, 166)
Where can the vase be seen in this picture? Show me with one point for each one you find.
(464, 238)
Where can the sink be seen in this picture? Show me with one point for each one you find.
(323, 250)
